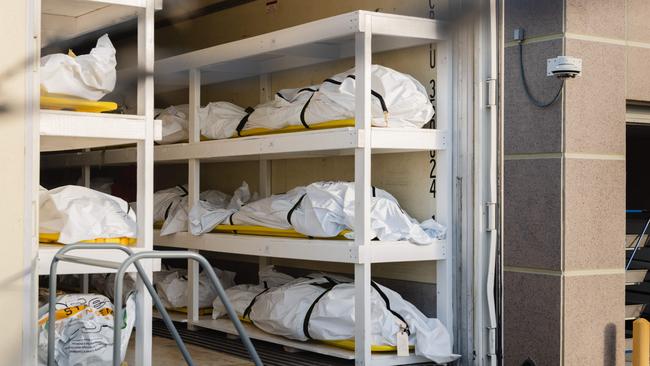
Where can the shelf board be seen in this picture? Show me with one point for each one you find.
(63, 130)
(226, 326)
(47, 251)
(335, 141)
(306, 44)
(340, 251)
(318, 143)
(68, 19)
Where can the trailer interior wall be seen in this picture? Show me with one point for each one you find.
(410, 177)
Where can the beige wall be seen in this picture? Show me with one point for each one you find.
(564, 183)
(12, 108)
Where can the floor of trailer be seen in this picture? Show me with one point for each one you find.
(165, 353)
(212, 348)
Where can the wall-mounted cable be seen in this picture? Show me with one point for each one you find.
(532, 99)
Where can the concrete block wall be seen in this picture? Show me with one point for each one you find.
(564, 183)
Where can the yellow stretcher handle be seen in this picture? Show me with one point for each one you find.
(267, 231)
(345, 343)
(53, 238)
(77, 105)
(293, 128)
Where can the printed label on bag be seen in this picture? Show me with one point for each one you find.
(402, 343)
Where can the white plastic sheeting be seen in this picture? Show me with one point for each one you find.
(84, 336)
(270, 211)
(170, 283)
(285, 109)
(80, 213)
(90, 76)
(324, 209)
(172, 287)
(282, 310)
(209, 212)
(404, 98)
(171, 207)
(174, 121)
(219, 120)
(164, 199)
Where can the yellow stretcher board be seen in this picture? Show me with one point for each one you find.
(346, 343)
(202, 311)
(53, 238)
(267, 131)
(262, 231)
(267, 231)
(62, 103)
(295, 128)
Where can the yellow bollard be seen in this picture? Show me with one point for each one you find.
(641, 343)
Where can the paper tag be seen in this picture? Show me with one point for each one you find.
(402, 344)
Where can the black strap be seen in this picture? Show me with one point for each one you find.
(374, 93)
(281, 96)
(328, 286)
(385, 298)
(242, 123)
(307, 89)
(185, 192)
(249, 308)
(231, 223)
(167, 210)
(290, 213)
(304, 108)
(332, 81)
(374, 191)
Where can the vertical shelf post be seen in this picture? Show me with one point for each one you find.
(32, 179)
(145, 178)
(85, 176)
(362, 199)
(194, 188)
(265, 164)
(444, 198)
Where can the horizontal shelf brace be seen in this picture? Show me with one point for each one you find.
(320, 143)
(88, 261)
(340, 251)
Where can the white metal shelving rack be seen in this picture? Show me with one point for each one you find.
(357, 34)
(65, 130)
